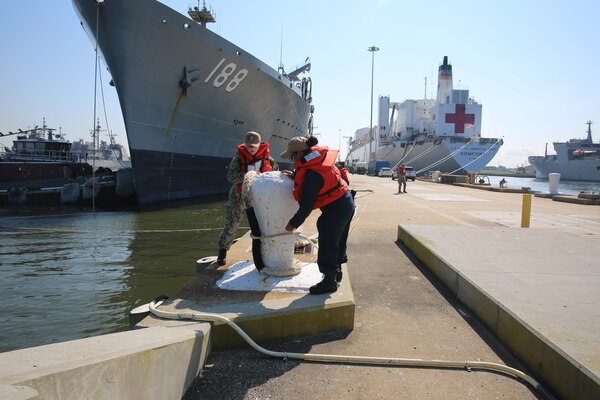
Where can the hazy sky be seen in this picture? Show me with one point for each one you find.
(533, 65)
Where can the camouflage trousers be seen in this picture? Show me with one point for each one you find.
(235, 207)
(401, 183)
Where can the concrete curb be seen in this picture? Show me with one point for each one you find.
(557, 370)
(154, 363)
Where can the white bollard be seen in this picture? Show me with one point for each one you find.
(553, 179)
(274, 205)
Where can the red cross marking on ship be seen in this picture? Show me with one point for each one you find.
(459, 119)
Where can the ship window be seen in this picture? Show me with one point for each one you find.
(186, 26)
(238, 53)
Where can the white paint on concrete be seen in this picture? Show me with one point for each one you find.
(244, 276)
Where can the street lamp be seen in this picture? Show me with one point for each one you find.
(340, 146)
(372, 49)
(347, 145)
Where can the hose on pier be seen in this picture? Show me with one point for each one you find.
(363, 360)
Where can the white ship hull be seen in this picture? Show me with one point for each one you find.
(445, 155)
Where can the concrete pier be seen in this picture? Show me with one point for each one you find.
(442, 272)
(403, 309)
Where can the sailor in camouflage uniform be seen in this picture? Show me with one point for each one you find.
(252, 155)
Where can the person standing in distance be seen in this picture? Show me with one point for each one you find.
(252, 155)
(319, 184)
(401, 178)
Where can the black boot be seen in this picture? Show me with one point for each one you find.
(327, 285)
(339, 274)
(256, 243)
(221, 257)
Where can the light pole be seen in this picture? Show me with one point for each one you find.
(372, 49)
(340, 146)
(347, 145)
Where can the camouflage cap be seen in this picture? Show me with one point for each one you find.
(252, 139)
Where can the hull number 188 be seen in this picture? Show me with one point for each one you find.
(228, 71)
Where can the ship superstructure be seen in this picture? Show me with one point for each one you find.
(431, 135)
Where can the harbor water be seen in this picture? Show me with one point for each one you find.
(70, 274)
(541, 185)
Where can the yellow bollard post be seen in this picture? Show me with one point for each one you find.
(526, 210)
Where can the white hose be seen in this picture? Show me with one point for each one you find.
(413, 362)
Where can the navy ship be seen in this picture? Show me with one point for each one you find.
(188, 95)
(442, 134)
(39, 158)
(575, 160)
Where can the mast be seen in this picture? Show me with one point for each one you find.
(589, 132)
(201, 16)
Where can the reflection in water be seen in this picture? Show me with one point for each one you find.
(71, 275)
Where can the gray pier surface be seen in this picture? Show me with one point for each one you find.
(446, 272)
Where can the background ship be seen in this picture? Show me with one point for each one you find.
(575, 160)
(39, 158)
(430, 135)
(188, 96)
(41, 168)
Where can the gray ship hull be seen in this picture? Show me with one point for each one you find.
(572, 170)
(188, 96)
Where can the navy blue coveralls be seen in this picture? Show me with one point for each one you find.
(333, 224)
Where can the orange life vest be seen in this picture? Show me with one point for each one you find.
(258, 162)
(344, 174)
(401, 171)
(322, 161)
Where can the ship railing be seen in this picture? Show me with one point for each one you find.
(460, 139)
(487, 140)
(43, 155)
